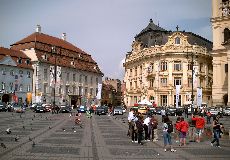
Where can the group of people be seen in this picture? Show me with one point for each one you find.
(141, 128)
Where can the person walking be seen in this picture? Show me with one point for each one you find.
(146, 128)
(177, 127)
(153, 129)
(216, 131)
(167, 130)
(133, 128)
(130, 117)
(183, 125)
(209, 115)
(140, 128)
(200, 123)
(163, 114)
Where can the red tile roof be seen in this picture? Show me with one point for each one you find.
(65, 51)
(15, 55)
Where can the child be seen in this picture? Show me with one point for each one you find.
(183, 131)
(177, 126)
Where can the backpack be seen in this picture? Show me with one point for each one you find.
(170, 127)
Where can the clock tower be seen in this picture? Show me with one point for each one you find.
(221, 52)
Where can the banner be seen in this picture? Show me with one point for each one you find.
(58, 82)
(51, 76)
(195, 73)
(99, 91)
(199, 97)
(177, 94)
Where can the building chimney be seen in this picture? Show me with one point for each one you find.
(38, 29)
(64, 36)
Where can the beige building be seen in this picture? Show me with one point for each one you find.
(221, 51)
(162, 59)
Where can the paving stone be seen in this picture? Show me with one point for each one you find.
(61, 141)
(212, 151)
(55, 150)
(133, 152)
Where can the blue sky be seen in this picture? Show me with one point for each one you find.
(103, 28)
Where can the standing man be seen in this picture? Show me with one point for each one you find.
(162, 114)
(200, 123)
(146, 128)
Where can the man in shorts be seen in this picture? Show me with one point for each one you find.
(200, 123)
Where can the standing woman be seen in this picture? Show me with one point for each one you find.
(167, 134)
(216, 131)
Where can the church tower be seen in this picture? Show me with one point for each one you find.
(221, 52)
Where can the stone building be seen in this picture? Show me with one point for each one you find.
(111, 92)
(15, 76)
(162, 59)
(77, 74)
(221, 52)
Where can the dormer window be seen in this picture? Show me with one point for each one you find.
(226, 35)
(225, 8)
(20, 60)
(177, 40)
(27, 61)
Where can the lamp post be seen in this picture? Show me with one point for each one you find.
(53, 50)
(192, 54)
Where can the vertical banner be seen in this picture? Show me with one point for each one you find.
(58, 83)
(99, 91)
(195, 73)
(51, 76)
(177, 94)
(199, 97)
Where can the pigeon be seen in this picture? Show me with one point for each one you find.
(32, 119)
(115, 117)
(20, 116)
(63, 129)
(16, 138)
(34, 115)
(33, 144)
(30, 139)
(23, 127)
(8, 131)
(31, 128)
(3, 145)
(72, 128)
(49, 127)
(46, 118)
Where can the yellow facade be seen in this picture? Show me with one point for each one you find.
(221, 51)
(153, 72)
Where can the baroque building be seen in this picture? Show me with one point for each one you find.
(63, 73)
(15, 76)
(162, 59)
(221, 52)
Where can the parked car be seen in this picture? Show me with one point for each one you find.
(151, 111)
(106, 108)
(118, 110)
(226, 111)
(142, 109)
(170, 111)
(48, 107)
(158, 110)
(18, 108)
(135, 108)
(39, 109)
(214, 111)
(124, 109)
(82, 109)
(100, 110)
(65, 109)
(3, 107)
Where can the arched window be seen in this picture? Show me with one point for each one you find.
(177, 40)
(226, 34)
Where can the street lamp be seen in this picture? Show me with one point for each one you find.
(53, 50)
(192, 54)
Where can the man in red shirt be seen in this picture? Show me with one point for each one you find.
(200, 123)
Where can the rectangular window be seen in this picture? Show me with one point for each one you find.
(96, 80)
(67, 77)
(60, 90)
(28, 74)
(16, 76)
(3, 86)
(177, 81)
(28, 88)
(86, 91)
(86, 80)
(12, 73)
(45, 88)
(4, 71)
(177, 66)
(80, 91)
(163, 82)
(152, 82)
(164, 100)
(96, 91)
(67, 90)
(130, 73)
(91, 91)
(45, 74)
(11, 86)
(189, 66)
(80, 79)
(164, 66)
(135, 71)
(130, 84)
(140, 70)
(226, 68)
(189, 82)
(74, 90)
(16, 87)
(135, 84)
(20, 87)
(21, 73)
(91, 81)
(74, 77)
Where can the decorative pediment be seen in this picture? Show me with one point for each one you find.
(177, 38)
(7, 60)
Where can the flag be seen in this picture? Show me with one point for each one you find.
(99, 91)
(177, 94)
(199, 96)
(195, 73)
(51, 76)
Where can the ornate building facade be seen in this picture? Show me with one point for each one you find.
(221, 52)
(162, 59)
(63, 73)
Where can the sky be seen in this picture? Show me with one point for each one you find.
(105, 29)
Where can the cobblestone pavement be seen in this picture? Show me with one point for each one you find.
(46, 136)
